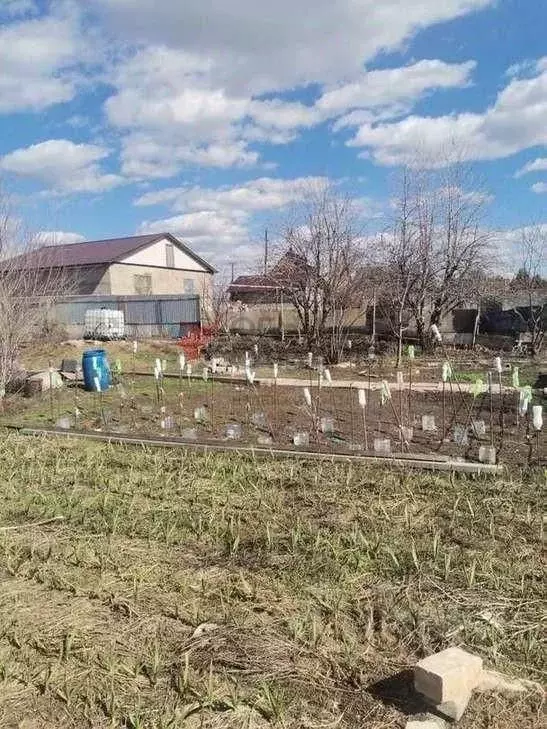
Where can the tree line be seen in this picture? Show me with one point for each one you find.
(436, 254)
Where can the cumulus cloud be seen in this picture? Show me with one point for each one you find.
(257, 49)
(539, 187)
(515, 121)
(386, 87)
(40, 57)
(218, 222)
(264, 193)
(218, 237)
(205, 96)
(146, 155)
(62, 166)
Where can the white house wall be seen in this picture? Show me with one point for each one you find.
(154, 255)
(162, 280)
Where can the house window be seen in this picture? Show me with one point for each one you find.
(188, 286)
(169, 255)
(142, 283)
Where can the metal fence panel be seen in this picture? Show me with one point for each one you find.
(144, 316)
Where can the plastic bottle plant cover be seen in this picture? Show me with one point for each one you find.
(447, 372)
(436, 333)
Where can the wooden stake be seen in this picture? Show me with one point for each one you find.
(212, 402)
(50, 370)
(410, 393)
(491, 409)
(351, 411)
(444, 412)
(502, 403)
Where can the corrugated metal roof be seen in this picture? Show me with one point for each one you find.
(97, 252)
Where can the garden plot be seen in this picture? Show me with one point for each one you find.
(352, 419)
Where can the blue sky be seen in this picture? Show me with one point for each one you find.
(212, 119)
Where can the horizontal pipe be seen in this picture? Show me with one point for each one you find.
(435, 387)
(422, 461)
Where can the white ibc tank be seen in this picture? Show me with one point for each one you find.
(104, 324)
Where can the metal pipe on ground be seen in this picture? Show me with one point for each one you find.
(416, 461)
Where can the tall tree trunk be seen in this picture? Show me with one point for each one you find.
(422, 334)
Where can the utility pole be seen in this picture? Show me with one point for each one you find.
(266, 252)
(373, 328)
(232, 264)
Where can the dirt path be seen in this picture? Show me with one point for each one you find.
(363, 384)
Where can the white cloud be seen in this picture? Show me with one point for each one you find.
(146, 155)
(537, 165)
(257, 49)
(58, 237)
(515, 121)
(176, 112)
(218, 237)
(200, 87)
(509, 256)
(62, 166)
(217, 222)
(264, 193)
(174, 115)
(387, 87)
(40, 57)
(539, 187)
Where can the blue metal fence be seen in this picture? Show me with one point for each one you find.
(145, 316)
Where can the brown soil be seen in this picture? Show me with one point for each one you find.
(281, 412)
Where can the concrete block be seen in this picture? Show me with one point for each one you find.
(70, 365)
(455, 709)
(47, 380)
(448, 678)
(427, 722)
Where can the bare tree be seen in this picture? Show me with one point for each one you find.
(28, 288)
(529, 284)
(324, 256)
(217, 310)
(438, 244)
(401, 272)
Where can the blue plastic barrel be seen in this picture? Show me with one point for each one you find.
(95, 366)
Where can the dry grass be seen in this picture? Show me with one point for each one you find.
(322, 582)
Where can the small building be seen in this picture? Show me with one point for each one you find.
(270, 287)
(143, 265)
